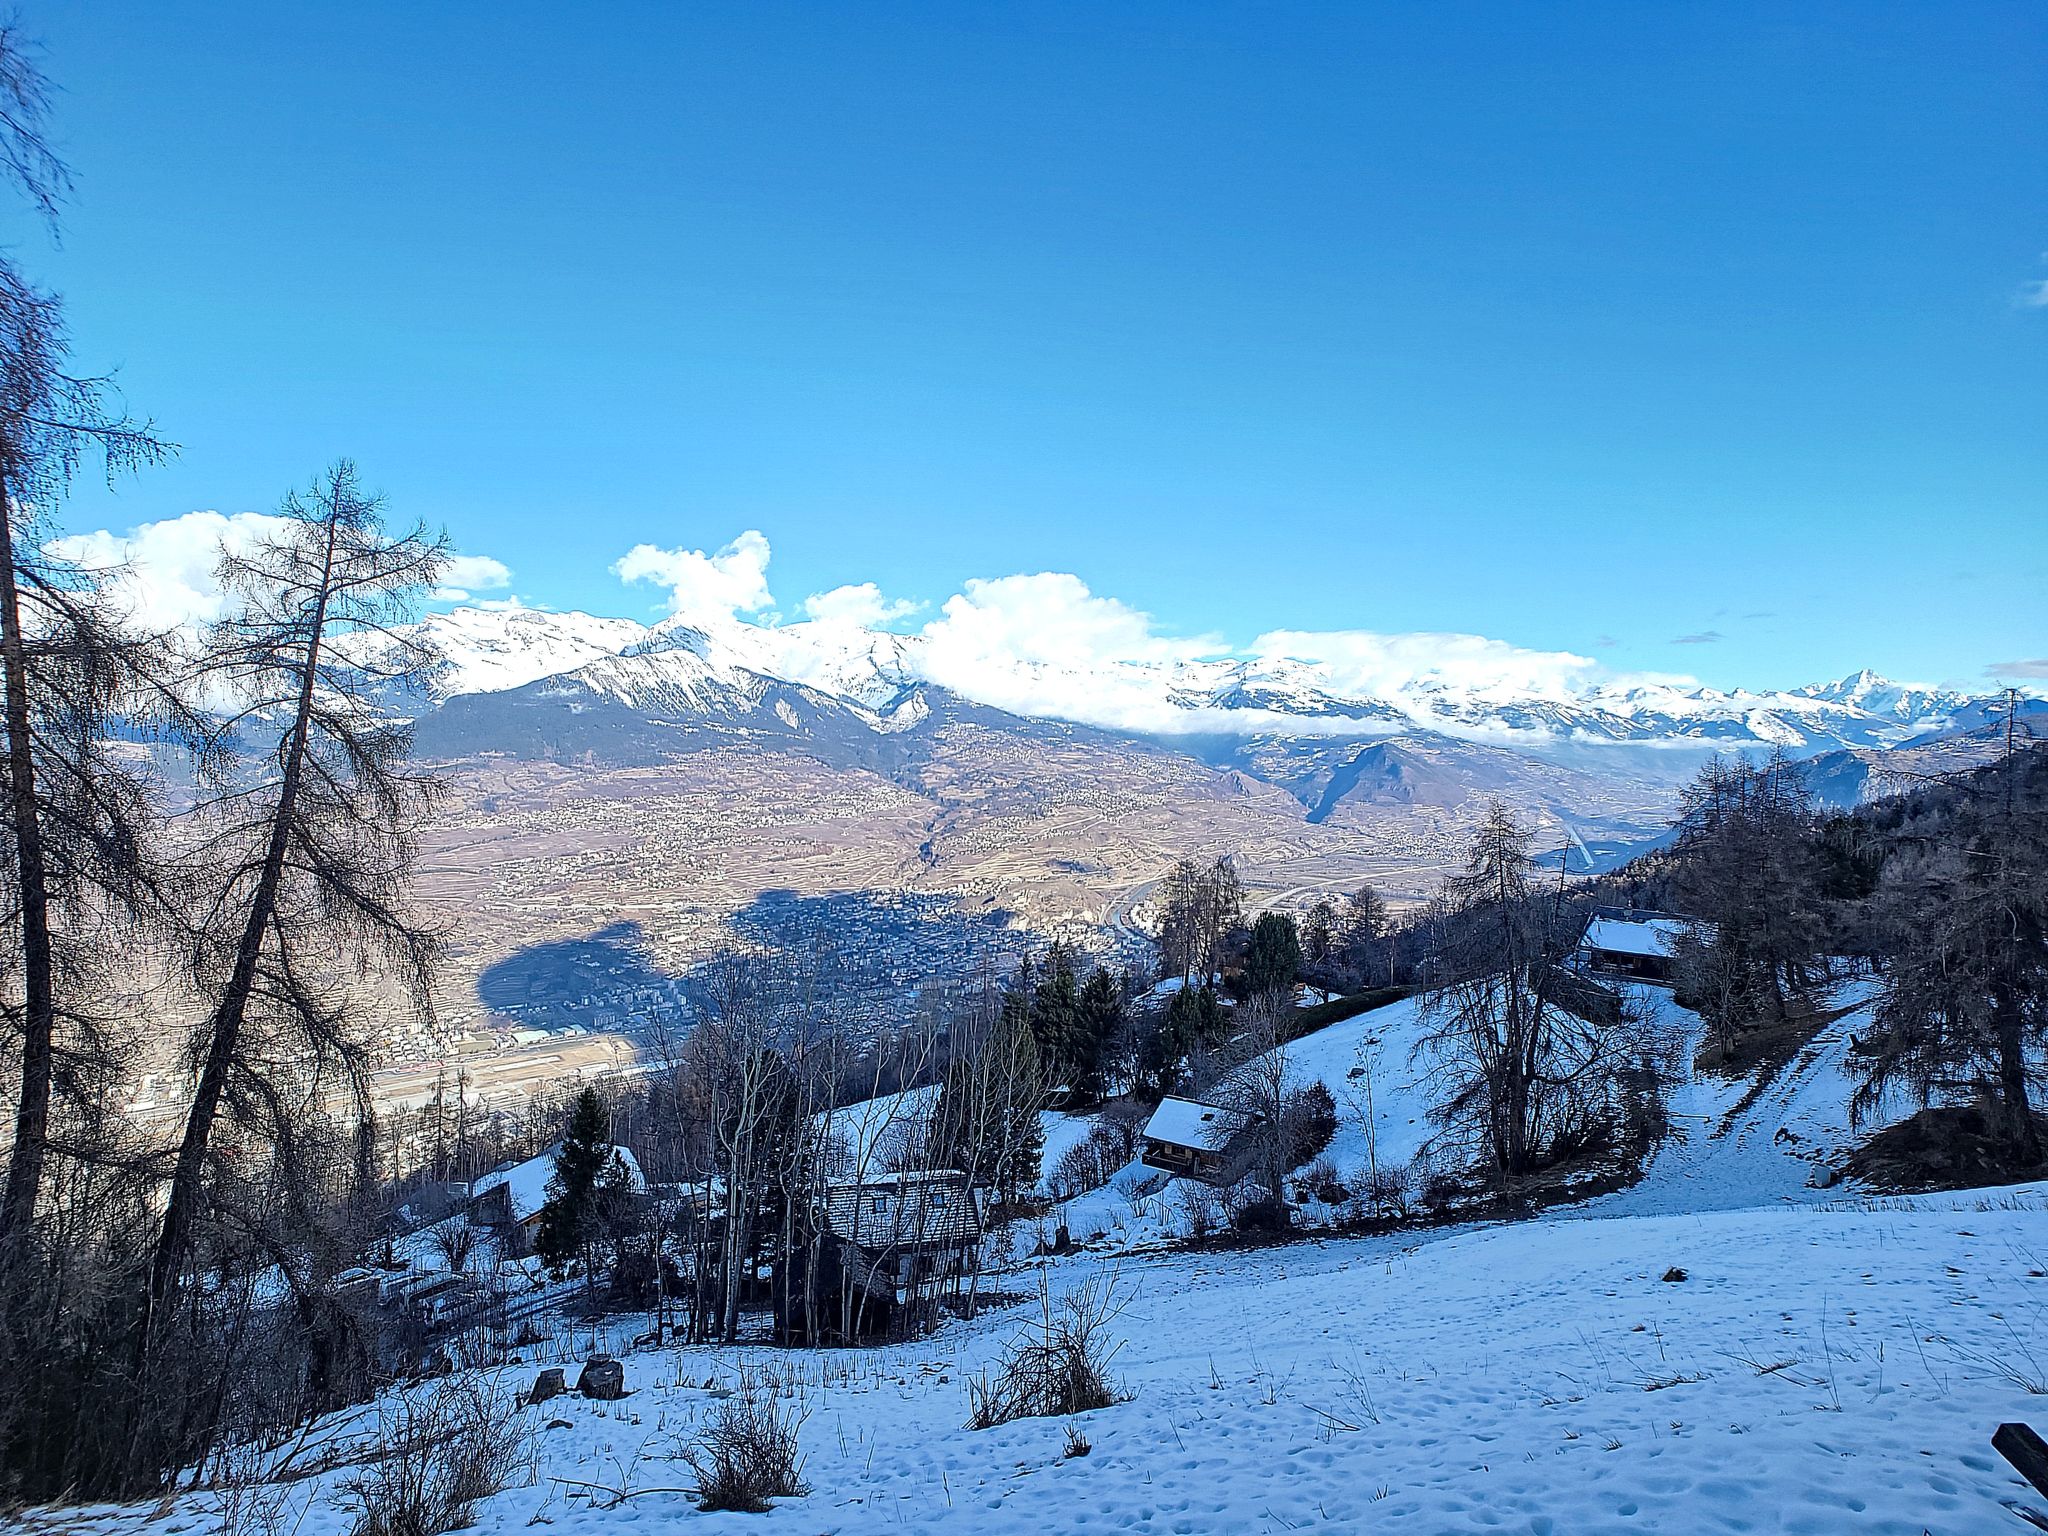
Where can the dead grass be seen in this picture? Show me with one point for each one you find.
(1058, 1365)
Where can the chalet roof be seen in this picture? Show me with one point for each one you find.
(1191, 1123)
(931, 1208)
(526, 1184)
(1651, 937)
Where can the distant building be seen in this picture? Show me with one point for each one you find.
(1199, 1141)
(507, 1201)
(884, 1242)
(1632, 944)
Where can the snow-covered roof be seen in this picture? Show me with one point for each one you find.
(1191, 1123)
(1652, 937)
(526, 1184)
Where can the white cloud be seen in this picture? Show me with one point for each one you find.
(165, 571)
(704, 587)
(862, 605)
(1045, 644)
(1366, 663)
(477, 573)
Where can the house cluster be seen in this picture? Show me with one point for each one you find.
(875, 1246)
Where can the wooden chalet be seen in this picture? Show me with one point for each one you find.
(881, 1243)
(1631, 944)
(1194, 1140)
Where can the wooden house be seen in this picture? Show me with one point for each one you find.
(881, 1243)
(1631, 944)
(1201, 1141)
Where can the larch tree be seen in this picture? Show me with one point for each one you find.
(1527, 1077)
(1964, 997)
(310, 831)
(76, 820)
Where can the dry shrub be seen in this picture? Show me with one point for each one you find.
(748, 1452)
(1057, 1365)
(446, 1447)
(1090, 1162)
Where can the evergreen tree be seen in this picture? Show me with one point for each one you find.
(1193, 1024)
(568, 1221)
(1098, 1019)
(1055, 1005)
(1274, 956)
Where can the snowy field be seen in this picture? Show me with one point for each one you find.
(1830, 1367)
(1827, 1363)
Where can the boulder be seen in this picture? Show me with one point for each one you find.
(603, 1378)
(549, 1383)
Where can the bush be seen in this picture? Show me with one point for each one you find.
(1319, 1181)
(1058, 1365)
(1264, 1215)
(749, 1453)
(1308, 1122)
(448, 1446)
(1387, 1189)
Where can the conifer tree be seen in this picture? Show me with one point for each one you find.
(568, 1221)
(1274, 955)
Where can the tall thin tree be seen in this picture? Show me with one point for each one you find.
(313, 831)
(71, 818)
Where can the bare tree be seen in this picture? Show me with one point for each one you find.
(311, 831)
(1965, 996)
(74, 822)
(1746, 870)
(1528, 1077)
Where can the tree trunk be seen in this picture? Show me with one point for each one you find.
(39, 1013)
(2019, 1130)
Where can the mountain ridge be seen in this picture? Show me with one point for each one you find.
(870, 673)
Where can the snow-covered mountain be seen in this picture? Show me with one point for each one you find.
(727, 670)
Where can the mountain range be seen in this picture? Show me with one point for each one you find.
(573, 682)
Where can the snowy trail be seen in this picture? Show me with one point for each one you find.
(1726, 1155)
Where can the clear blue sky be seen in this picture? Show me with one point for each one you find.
(1585, 327)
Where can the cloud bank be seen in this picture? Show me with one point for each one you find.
(165, 574)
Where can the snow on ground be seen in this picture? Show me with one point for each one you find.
(1826, 1364)
(1732, 1146)
(1822, 1368)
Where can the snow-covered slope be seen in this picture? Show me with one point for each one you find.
(491, 650)
(1819, 1369)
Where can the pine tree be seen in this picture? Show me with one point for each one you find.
(1193, 1024)
(1055, 1004)
(568, 1221)
(1274, 956)
(1098, 1017)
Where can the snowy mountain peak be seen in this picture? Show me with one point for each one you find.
(723, 664)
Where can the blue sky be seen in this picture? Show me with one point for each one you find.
(1689, 338)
